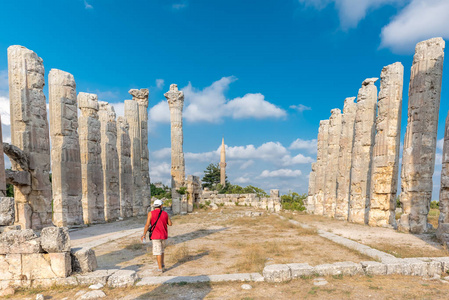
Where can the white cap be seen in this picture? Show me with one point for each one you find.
(157, 203)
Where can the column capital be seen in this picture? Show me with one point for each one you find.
(174, 96)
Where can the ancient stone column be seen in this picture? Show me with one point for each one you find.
(132, 116)
(29, 132)
(110, 161)
(2, 165)
(65, 149)
(91, 163)
(344, 159)
(362, 152)
(443, 220)
(141, 96)
(175, 100)
(223, 164)
(333, 150)
(418, 158)
(125, 168)
(385, 164)
(312, 178)
(321, 165)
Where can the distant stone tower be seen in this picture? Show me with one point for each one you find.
(175, 100)
(223, 164)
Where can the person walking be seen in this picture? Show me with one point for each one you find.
(157, 219)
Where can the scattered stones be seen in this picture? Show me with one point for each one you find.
(277, 273)
(9, 291)
(93, 295)
(213, 206)
(55, 239)
(40, 297)
(122, 278)
(83, 260)
(19, 242)
(246, 287)
(96, 286)
(319, 281)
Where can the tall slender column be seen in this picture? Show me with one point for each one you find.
(223, 164)
(175, 100)
(330, 189)
(91, 162)
(110, 161)
(29, 132)
(2, 165)
(362, 152)
(443, 220)
(125, 168)
(132, 116)
(321, 164)
(65, 149)
(418, 157)
(312, 178)
(384, 176)
(344, 159)
(141, 96)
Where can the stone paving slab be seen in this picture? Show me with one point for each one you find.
(156, 280)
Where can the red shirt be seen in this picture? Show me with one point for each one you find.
(160, 231)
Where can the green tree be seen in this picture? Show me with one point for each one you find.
(237, 189)
(293, 201)
(9, 190)
(163, 192)
(211, 176)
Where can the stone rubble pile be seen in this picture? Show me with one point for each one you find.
(355, 177)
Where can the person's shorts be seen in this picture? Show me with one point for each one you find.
(158, 247)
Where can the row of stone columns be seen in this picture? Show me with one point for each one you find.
(99, 164)
(355, 177)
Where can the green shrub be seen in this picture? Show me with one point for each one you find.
(434, 204)
(293, 201)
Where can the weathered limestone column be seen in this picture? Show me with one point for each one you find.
(175, 100)
(125, 168)
(385, 164)
(29, 132)
(2, 165)
(110, 162)
(443, 220)
(132, 116)
(65, 149)
(223, 164)
(321, 165)
(362, 152)
(91, 163)
(418, 158)
(312, 178)
(344, 159)
(330, 189)
(141, 96)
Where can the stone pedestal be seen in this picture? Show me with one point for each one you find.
(443, 220)
(65, 149)
(384, 176)
(125, 168)
(110, 161)
(91, 163)
(344, 159)
(330, 189)
(29, 132)
(418, 158)
(321, 165)
(362, 152)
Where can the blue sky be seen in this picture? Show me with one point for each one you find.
(260, 73)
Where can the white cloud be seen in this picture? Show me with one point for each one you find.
(160, 83)
(210, 105)
(162, 153)
(179, 6)
(160, 172)
(242, 180)
(351, 12)
(4, 110)
(419, 20)
(281, 173)
(119, 108)
(440, 144)
(300, 144)
(246, 164)
(87, 5)
(298, 159)
(300, 107)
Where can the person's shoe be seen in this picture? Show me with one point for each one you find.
(160, 270)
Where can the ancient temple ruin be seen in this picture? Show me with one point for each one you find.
(124, 168)
(443, 220)
(321, 164)
(223, 164)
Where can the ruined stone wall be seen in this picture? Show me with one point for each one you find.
(29, 132)
(132, 116)
(91, 163)
(125, 168)
(384, 176)
(443, 220)
(345, 159)
(2, 165)
(330, 188)
(110, 161)
(141, 97)
(362, 152)
(65, 149)
(418, 158)
(322, 153)
(272, 203)
(194, 189)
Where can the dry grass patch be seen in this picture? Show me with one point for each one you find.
(406, 251)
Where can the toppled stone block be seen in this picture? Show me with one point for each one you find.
(83, 260)
(374, 268)
(6, 211)
(122, 278)
(9, 228)
(46, 266)
(299, 270)
(349, 268)
(433, 267)
(20, 241)
(277, 273)
(93, 295)
(55, 239)
(98, 276)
